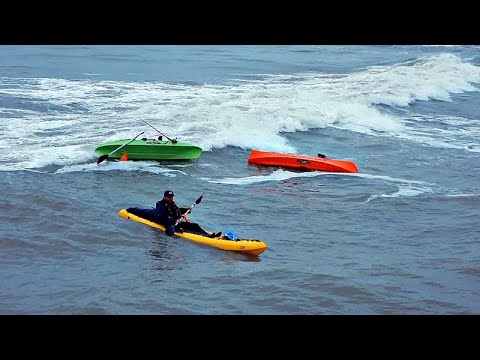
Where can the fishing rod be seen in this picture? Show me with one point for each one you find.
(172, 140)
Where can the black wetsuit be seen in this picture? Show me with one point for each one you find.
(167, 213)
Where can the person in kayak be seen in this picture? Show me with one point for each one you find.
(169, 214)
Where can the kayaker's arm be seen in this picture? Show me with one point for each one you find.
(184, 210)
(190, 208)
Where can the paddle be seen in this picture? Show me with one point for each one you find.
(104, 157)
(172, 140)
(189, 209)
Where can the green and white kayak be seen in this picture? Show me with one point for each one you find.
(150, 149)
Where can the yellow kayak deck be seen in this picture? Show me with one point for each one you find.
(245, 246)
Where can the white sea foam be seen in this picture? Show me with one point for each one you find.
(147, 166)
(68, 118)
(405, 187)
(276, 175)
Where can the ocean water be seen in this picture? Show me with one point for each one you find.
(400, 237)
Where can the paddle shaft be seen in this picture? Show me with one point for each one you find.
(104, 157)
(189, 210)
(159, 132)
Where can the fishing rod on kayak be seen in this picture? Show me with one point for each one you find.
(189, 209)
(104, 157)
(172, 140)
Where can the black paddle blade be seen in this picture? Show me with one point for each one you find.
(101, 158)
(199, 199)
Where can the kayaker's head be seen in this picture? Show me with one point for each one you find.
(168, 195)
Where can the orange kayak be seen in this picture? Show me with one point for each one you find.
(301, 162)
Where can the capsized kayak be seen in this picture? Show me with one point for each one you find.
(245, 246)
(301, 162)
(150, 149)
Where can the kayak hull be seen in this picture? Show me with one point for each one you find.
(301, 162)
(150, 149)
(244, 246)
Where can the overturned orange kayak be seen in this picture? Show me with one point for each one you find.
(301, 162)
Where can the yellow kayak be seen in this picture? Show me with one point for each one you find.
(245, 246)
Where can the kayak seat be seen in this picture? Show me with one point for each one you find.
(188, 227)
